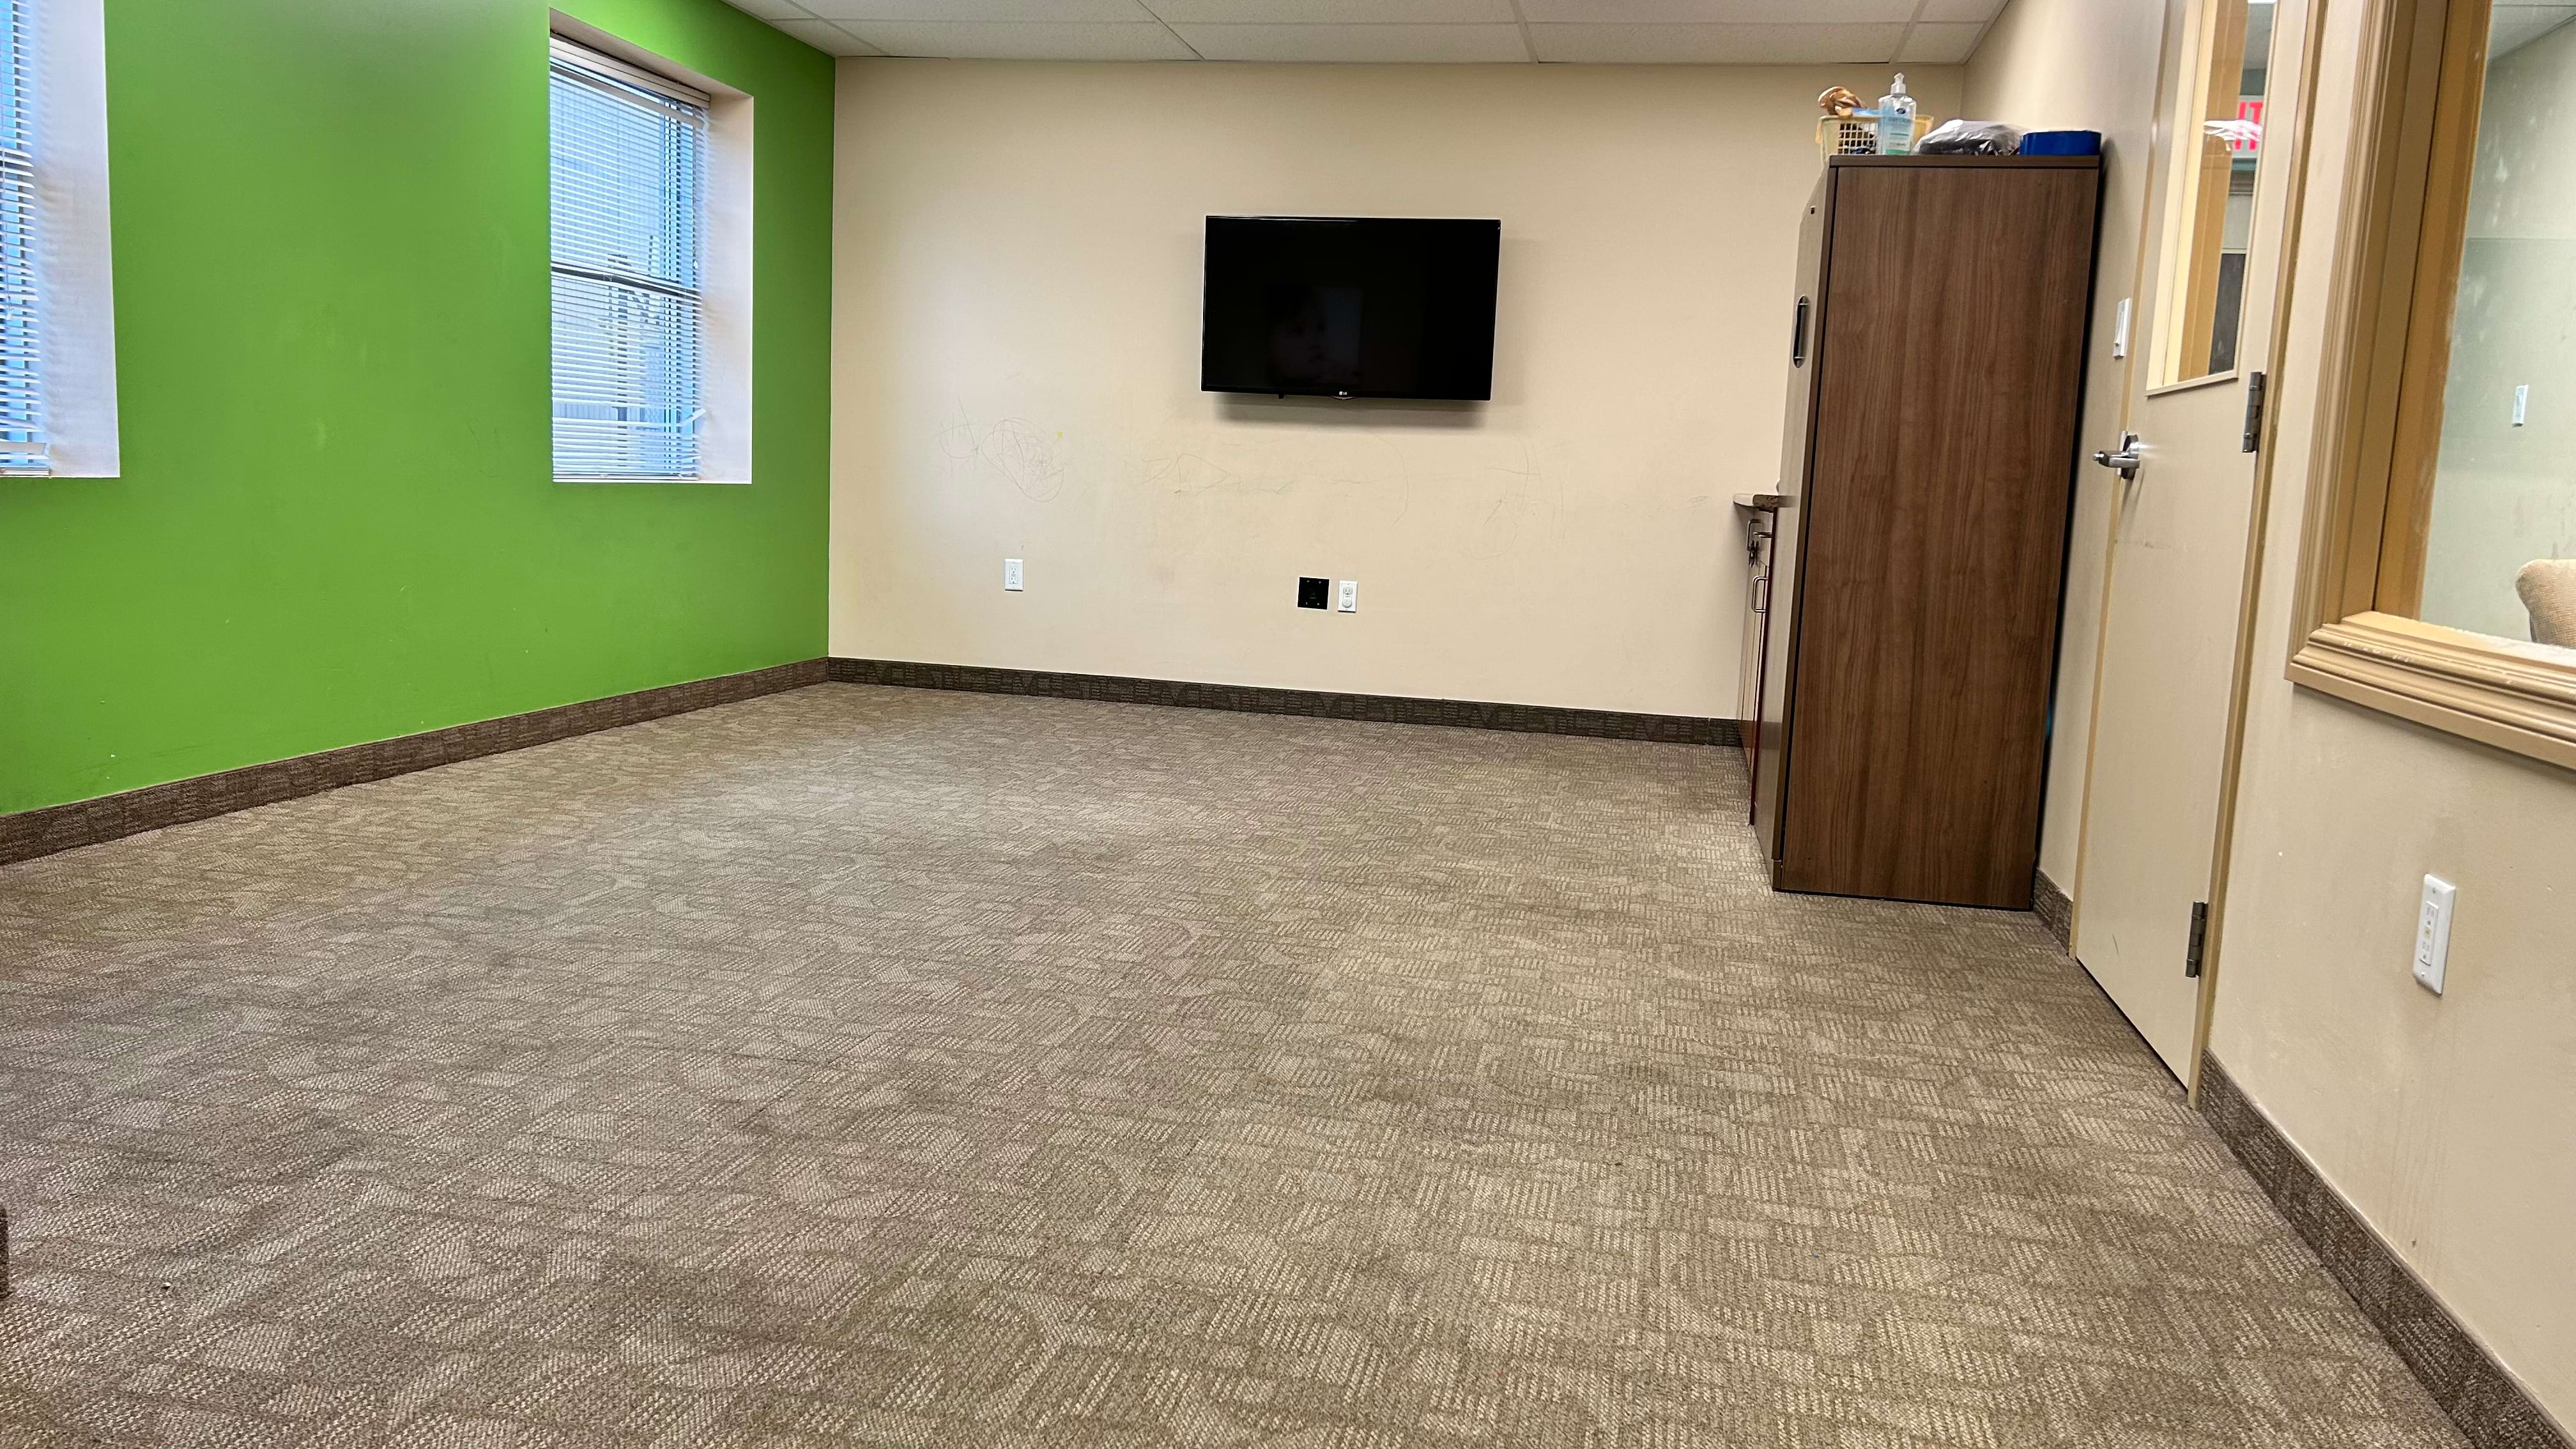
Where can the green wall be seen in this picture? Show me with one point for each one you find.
(337, 521)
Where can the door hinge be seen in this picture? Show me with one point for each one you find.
(2254, 390)
(2199, 938)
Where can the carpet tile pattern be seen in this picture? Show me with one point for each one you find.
(868, 1066)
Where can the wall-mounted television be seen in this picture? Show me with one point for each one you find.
(1347, 306)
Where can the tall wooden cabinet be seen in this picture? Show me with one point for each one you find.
(1936, 381)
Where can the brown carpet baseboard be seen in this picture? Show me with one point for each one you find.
(1538, 719)
(2492, 1409)
(31, 833)
(2054, 909)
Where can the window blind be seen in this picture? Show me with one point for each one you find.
(22, 395)
(629, 252)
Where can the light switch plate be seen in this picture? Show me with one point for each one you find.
(1011, 574)
(2433, 933)
(2120, 332)
(1348, 599)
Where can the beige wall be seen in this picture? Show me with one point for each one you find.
(2450, 1121)
(1015, 375)
(2082, 65)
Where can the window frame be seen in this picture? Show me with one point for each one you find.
(725, 317)
(74, 268)
(2385, 364)
(2186, 320)
(685, 123)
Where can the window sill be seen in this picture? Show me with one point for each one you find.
(2517, 697)
(2193, 384)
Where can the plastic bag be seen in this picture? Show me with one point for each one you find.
(1971, 138)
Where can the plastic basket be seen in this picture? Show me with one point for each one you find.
(1857, 134)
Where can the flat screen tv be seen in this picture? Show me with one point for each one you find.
(1343, 306)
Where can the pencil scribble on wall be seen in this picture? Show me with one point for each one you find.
(1189, 473)
(1028, 457)
(1524, 496)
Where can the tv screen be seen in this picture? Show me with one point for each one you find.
(1338, 306)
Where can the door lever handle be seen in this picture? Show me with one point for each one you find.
(2124, 462)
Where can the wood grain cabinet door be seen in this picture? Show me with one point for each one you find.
(1935, 528)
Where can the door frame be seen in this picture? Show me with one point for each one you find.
(2231, 774)
(2171, 110)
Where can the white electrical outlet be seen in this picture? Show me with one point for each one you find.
(2433, 933)
(1011, 574)
(1348, 600)
(2521, 402)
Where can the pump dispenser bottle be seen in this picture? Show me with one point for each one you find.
(1896, 121)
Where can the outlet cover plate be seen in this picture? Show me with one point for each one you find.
(1312, 593)
(1011, 574)
(1348, 599)
(2433, 933)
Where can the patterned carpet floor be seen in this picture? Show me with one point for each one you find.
(874, 1066)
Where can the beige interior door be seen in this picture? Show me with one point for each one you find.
(2175, 582)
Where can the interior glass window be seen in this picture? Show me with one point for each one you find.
(2217, 202)
(2499, 522)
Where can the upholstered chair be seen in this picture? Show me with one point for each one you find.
(2548, 589)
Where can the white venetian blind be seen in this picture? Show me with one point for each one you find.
(630, 167)
(22, 398)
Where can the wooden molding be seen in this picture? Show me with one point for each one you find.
(2518, 697)
(2221, 74)
(2242, 668)
(2415, 447)
(2381, 373)
(2367, 307)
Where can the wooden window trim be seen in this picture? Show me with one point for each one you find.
(2385, 363)
(2218, 65)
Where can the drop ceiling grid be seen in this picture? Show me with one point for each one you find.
(1743, 32)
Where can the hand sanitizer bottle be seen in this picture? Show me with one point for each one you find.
(1896, 121)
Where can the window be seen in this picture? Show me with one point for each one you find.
(2438, 580)
(57, 309)
(630, 166)
(22, 394)
(2489, 545)
(2214, 192)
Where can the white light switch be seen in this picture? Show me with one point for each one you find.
(1348, 600)
(1011, 574)
(2521, 402)
(2120, 332)
(2433, 933)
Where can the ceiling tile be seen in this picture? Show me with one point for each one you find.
(1947, 44)
(1332, 12)
(772, 9)
(1959, 12)
(1721, 12)
(824, 36)
(1715, 44)
(967, 40)
(1046, 12)
(1367, 43)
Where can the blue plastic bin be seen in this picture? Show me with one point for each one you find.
(2061, 143)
